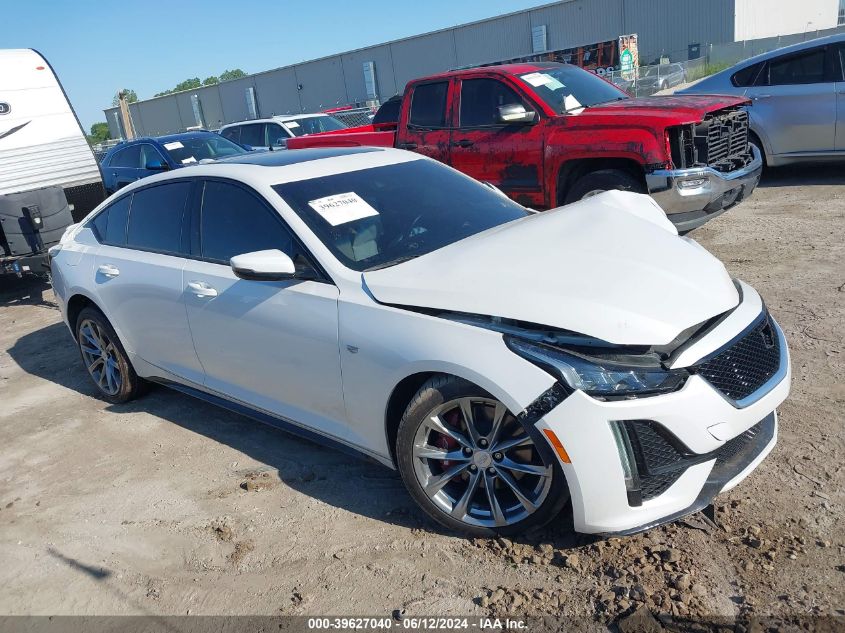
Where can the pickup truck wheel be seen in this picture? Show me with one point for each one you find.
(471, 466)
(603, 180)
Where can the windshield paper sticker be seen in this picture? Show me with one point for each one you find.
(537, 79)
(342, 208)
(190, 159)
(173, 145)
(291, 123)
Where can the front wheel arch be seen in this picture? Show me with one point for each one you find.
(572, 171)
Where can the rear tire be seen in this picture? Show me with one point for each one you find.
(105, 359)
(603, 180)
(473, 490)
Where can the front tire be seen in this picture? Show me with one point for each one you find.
(105, 359)
(468, 462)
(603, 180)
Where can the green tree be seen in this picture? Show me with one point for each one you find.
(237, 73)
(210, 81)
(131, 96)
(99, 132)
(189, 84)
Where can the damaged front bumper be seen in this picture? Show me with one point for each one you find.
(691, 197)
(637, 463)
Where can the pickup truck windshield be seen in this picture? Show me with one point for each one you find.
(314, 125)
(382, 216)
(569, 89)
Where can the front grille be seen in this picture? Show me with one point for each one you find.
(744, 366)
(722, 140)
(661, 458)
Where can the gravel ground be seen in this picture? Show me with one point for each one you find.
(171, 506)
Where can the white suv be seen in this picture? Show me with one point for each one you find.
(504, 361)
(275, 131)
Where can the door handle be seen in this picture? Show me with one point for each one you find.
(759, 97)
(108, 270)
(202, 289)
(407, 145)
(464, 142)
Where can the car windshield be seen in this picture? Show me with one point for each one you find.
(314, 125)
(570, 89)
(185, 151)
(378, 217)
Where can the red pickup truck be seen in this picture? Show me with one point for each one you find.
(548, 134)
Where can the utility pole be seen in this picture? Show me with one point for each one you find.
(124, 115)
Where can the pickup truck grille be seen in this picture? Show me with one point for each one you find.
(720, 142)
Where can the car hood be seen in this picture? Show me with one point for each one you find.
(611, 267)
(669, 110)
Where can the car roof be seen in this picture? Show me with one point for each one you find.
(167, 138)
(283, 158)
(800, 46)
(502, 69)
(277, 118)
(263, 169)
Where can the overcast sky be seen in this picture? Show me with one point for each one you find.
(97, 48)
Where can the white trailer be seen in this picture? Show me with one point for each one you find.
(48, 174)
(42, 143)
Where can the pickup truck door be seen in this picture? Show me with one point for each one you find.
(795, 102)
(509, 156)
(425, 126)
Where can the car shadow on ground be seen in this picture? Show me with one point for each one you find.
(802, 175)
(23, 291)
(357, 485)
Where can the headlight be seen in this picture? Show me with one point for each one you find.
(599, 377)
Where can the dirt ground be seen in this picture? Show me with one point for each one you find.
(172, 506)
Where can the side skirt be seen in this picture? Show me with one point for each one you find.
(272, 420)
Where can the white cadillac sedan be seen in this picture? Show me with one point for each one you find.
(504, 361)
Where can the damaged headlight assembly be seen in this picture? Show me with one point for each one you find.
(601, 378)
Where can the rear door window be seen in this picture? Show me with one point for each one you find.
(252, 134)
(127, 157)
(155, 220)
(428, 105)
(807, 67)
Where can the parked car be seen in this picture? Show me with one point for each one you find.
(504, 361)
(797, 93)
(660, 77)
(275, 131)
(549, 134)
(142, 157)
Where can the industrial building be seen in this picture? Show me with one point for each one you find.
(677, 29)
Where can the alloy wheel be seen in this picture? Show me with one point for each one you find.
(100, 356)
(474, 461)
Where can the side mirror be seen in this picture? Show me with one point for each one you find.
(515, 113)
(281, 143)
(270, 265)
(156, 165)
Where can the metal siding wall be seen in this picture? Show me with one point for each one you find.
(114, 131)
(670, 26)
(233, 99)
(580, 22)
(322, 84)
(353, 71)
(158, 116)
(277, 93)
(422, 56)
(493, 40)
(186, 109)
(212, 106)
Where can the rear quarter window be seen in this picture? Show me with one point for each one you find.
(109, 225)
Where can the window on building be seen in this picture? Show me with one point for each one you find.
(841, 19)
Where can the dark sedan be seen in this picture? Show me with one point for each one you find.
(138, 158)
